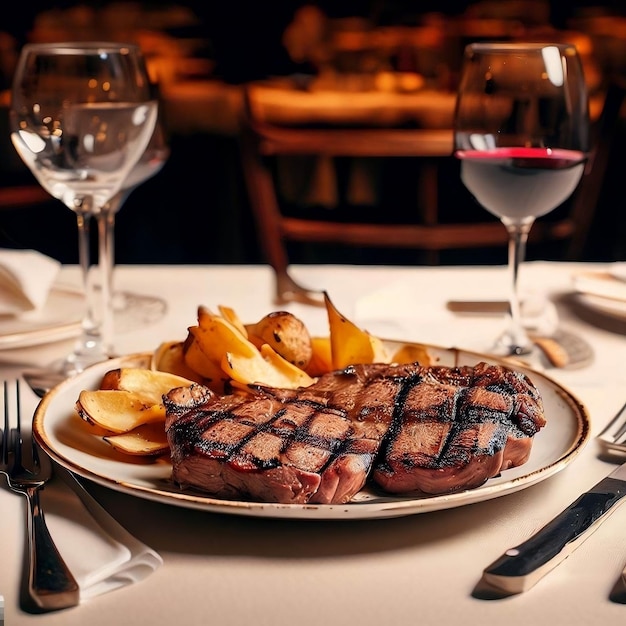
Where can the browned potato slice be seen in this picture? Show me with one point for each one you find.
(412, 353)
(145, 440)
(118, 411)
(231, 316)
(217, 336)
(150, 384)
(322, 360)
(286, 334)
(170, 357)
(265, 367)
(211, 372)
(351, 344)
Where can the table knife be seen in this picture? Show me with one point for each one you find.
(521, 567)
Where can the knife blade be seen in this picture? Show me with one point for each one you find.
(521, 567)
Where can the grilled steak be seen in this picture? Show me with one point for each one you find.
(457, 428)
(408, 427)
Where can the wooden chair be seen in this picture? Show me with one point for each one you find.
(263, 141)
(23, 196)
(582, 207)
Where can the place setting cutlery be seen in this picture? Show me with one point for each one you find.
(91, 553)
(51, 584)
(521, 567)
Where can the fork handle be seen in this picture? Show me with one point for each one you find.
(51, 584)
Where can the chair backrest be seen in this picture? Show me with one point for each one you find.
(264, 140)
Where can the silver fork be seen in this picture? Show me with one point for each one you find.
(613, 437)
(51, 585)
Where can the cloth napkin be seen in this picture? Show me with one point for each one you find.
(102, 555)
(26, 277)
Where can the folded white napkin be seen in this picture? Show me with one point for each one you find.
(102, 555)
(26, 277)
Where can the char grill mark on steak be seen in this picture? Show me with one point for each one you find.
(412, 428)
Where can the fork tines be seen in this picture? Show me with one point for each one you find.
(11, 436)
(614, 434)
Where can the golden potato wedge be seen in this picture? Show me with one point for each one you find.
(321, 359)
(150, 384)
(118, 411)
(412, 353)
(217, 336)
(169, 357)
(294, 373)
(229, 315)
(145, 440)
(286, 334)
(349, 343)
(210, 372)
(265, 367)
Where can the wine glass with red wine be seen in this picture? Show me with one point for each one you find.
(521, 133)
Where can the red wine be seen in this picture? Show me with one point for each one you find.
(521, 182)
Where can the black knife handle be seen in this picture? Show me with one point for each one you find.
(519, 568)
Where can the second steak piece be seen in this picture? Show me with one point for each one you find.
(456, 428)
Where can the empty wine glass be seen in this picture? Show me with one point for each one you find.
(521, 132)
(132, 309)
(81, 116)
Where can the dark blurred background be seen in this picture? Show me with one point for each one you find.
(196, 209)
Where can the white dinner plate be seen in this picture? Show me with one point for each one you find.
(606, 306)
(72, 443)
(603, 292)
(60, 318)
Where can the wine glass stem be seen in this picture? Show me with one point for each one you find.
(117, 298)
(518, 236)
(106, 242)
(88, 348)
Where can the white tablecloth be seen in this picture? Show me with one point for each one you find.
(421, 569)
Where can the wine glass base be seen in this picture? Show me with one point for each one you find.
(132, 311)
(41, 380)
(505, 349)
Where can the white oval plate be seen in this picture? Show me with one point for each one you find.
(604, 292)
(60, 318)
(69, 441)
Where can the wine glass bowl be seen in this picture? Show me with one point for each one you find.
(133, 310)
(81, 116)
(521, 133)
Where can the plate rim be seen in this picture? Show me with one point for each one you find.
(383, 507)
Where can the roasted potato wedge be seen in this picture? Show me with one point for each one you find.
(145, 440)
(231, 316)
(321, 359)
(148, 383)
(265, 367)
(413, 353)
(351, 344)
(217, 336)
(118, 411)
(170, 357)
(195, 358)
